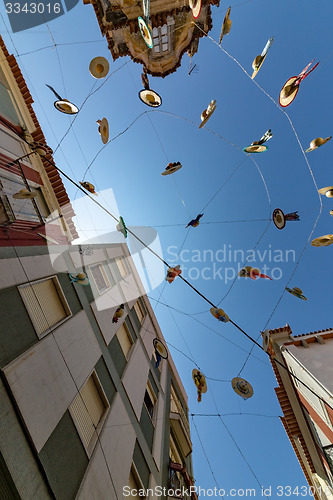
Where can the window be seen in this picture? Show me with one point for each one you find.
(100, 278)
(122, 267)
(6, 213)
(88, 409)
(161, 39)
(125, 339)
(45, 303)
(150, 400)
(135, 484)
(139, 311)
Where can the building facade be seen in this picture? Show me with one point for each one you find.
(174, 31)
(307, 418)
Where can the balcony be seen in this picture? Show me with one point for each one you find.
(180, 482)
(180, 426)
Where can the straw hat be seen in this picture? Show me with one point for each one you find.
(171, 168)
(331, 212)
(195, 5)
(317, 142)
(67, 107)
(265, 340)
(160, 348)
(297, 292)
(103, 130)
(327, 191)
(80, 278)
(199, 378)
(207, 113)
(89, 187)
(279, 218)
(226, 26)
(145, 32)
(323, 241)
(288, 92)
(255, 148)
(99, 67)
(41, 149)
(150, 97)
(219, 314)
(242, 387)
(256, 65)
(24, 194)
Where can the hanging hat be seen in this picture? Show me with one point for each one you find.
(257, 63)
(327, 191)
(99, 67)
(195, 222)
(145, 30)
(252, 272)
(297, 292)
(172, 273)
(150, 97)
(279, 218)
(323, 241)
(288, 92)
(121, 227)
(41, 149)
(219, 314)
(195, 5)
(265, 340)
(226, 26)
(242, 387)
(119, 312)
(331, 212)
(160, 348)
(89, 187)
(24, 194)
(63, 105)
(80, 278)
(207, 113)
(171, 168)
(199, 379)
(316, 143)
(103, 130)
(255, 147)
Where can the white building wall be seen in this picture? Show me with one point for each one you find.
(135, 378)
(45, 378)
(117, 440)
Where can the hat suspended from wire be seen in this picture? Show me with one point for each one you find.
(99, 67)
(316, 143)
(147, 95)
(279, 218)
(259, 146)
(63, 105)
(291, 87)
(257, 63)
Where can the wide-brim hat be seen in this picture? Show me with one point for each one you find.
(103, 130)
(297, 292)
(257, 63)
(265, 340)
(219, 313)
(226, 26)
(256, 148)
(195, 5)
(160, 348)
(242, 387)
(121, 227)
(41, 149)
(279, 218)
(150, 97)
(286, 100)
(205, 116)
(203, 384)
(80, 278)
(323, 241)
(316, 143)
(24, 194)
(99, 67)
(145, 32)
(172, 170)
(327, 191)
(67, 107)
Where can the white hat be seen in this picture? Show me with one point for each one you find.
(99, 67)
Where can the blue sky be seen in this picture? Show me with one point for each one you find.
(131, 166)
